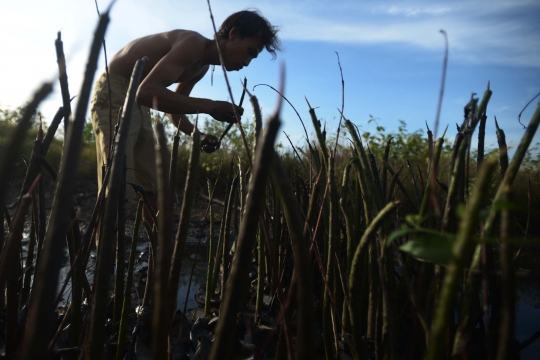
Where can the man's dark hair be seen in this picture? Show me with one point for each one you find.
(252, 23)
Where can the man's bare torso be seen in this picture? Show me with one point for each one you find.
(154, 47)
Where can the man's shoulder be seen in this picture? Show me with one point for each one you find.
(180, 36)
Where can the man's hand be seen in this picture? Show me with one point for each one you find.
(209, 143)
(223, 111)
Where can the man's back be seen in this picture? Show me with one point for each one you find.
(155, 47)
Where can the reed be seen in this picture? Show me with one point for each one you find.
(369, 256)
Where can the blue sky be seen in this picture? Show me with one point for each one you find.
(391, 54)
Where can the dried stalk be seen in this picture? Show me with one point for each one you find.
(96, 339)
(41, 311)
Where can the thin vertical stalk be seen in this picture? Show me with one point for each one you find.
(329, 315)
(291, 210)
(354, 276)
(39, 326)
(321, 134)
(126, 299)
(28, 269)
(460, 252)
(449, 217)
(508, 293)
(513, 168)
(385, 172)
(10, 271)
(211, 254)
(225, 249)
(62, 76)
(16, 139)
(503, 149)
(370, 179)
(432, 172)
(348, 218)
(78, 281)
(96, 340)
(163, 302)
(120, 252)
(219, 249)
(415, 184)
(402, 188)
(173, 165)
(181, 234)
(261, 274)
(237, 285)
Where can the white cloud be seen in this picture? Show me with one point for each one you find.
(409, 11)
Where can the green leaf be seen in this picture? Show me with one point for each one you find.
(415, 219)
(397, 234)
(434, 249)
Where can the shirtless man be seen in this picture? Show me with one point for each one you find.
(182, 57)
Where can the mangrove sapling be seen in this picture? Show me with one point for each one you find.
(42, 302)
(96, 340)
(219, 250)
(330, 316)
(376, 177)
(79, 281)
(126, 299)
(384, 179)
(321, 135)
(413, 178)
(261, 274)
(173, 165)
(503, 149)
(211, 254)
(449, 216)
(10, 272)
(225, 248)
(28, 268)
(181, 234)
(162, 305)
(507, 293)
(291, 210)
(372, 186)
(63, 79)
(353, 280)
(33, 165)
(432, 175)
(473, 280)
(460, 252)
(343, 200)
(16, 138)
(120, 251)
(237, 286)
(51, 131)
(402, 187)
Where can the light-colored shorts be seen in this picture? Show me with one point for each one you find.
(140, 148)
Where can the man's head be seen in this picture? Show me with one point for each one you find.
(248, 33)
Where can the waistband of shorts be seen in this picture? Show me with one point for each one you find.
(115, 79)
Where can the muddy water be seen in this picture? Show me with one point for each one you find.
(195, 260)
(528, 302)
(527, 282)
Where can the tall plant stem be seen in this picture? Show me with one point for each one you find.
(462, 246)
(41, 312)
(126, 299)
(96, 340)
(236, 289)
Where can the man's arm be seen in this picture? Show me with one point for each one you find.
(153, 90)
(181, 121)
